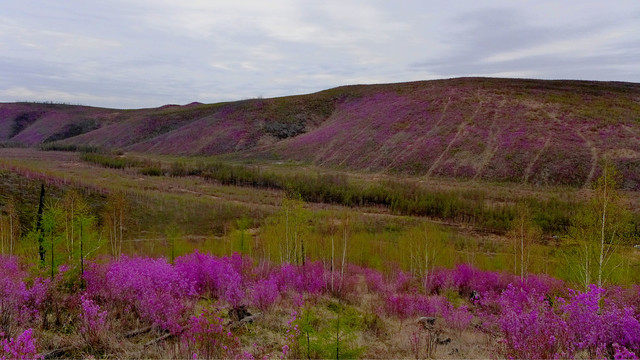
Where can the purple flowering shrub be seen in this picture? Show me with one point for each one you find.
(458, 318)
(205, 336)
(622, 353)
(265, 293)
(22, 347)
(289, 349)
(534, 317)
(93, 321)
(532, 324)
(599, 323)
(19, 304)
(410, 305)
(216, 277)
(310, 279)
(529, 326)
(152, 288)
(375, 281)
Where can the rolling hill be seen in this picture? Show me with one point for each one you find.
(523, 131)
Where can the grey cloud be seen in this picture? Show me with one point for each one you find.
(492, 32)
(139, 53)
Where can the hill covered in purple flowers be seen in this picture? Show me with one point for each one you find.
(522, 131)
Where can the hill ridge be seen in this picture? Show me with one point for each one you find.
(517, 130)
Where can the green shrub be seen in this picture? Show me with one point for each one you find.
(152, 171)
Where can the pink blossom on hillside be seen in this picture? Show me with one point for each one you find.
(597, 325)
(531, 329)
(213, 276)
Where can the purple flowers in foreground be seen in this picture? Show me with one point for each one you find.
(23, 347)
(93, 319)
(538, 317)
(152, 288)
(18, 302)
(206, 336)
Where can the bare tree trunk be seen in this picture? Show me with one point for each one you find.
(2, 234)
(295, 248)
(286, 235)
(426, 262)
(515, 256)
(66, 231)
(121, 238)
(602, 238)
(344, 255)
(587, 267)
(522, 249)
(112, 235)
(72, 227)
(11, 234)
(332, 276)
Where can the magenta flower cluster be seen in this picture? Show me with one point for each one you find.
(19, 303)
(291, 335)
(533, 324)
(93, 319)
(152, 288)
(205, 336)
(22, 347)
(534, 317)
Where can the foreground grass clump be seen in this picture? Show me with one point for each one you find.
(232, 307)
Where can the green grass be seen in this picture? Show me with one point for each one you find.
(401, 197)
(178, 214)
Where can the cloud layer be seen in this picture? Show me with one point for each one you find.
(142, 53)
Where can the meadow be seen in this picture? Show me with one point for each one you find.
(164, 256)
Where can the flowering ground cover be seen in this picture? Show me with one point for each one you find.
(200, 306)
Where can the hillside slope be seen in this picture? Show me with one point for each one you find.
(527, 131)
(36, 123)
(509, 130)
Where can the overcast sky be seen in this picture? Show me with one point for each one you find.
(146, 53)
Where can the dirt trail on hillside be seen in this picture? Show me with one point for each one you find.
(461, 128)
(588, 143)
(594, 158)
(410, 150)
(529, 169)
(491, 147)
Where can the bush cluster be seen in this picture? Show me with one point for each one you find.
(534, 317)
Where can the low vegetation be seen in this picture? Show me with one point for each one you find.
(299, 282)
(234, 307)
(400, 197)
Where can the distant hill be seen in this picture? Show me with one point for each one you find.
(525, 131)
